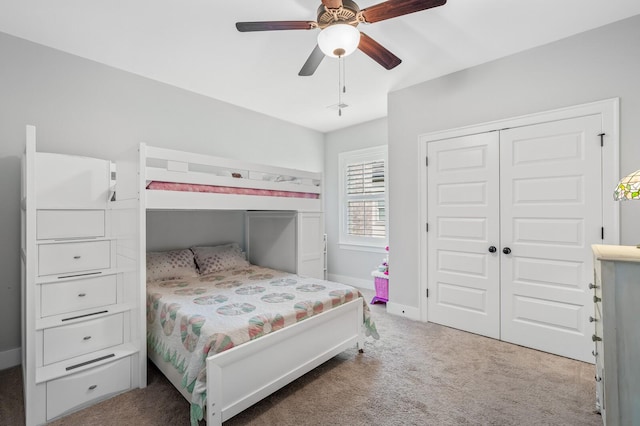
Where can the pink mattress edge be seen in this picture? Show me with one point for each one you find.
(192, 187)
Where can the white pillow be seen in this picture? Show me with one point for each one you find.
(218, 258)
(172, 264)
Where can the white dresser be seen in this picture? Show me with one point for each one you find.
(617, 333)
(81, 308)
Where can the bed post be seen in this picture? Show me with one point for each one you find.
(361, 326)
(213, 411)
(130, 208)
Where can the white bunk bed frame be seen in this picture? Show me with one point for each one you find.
(168, 165)
(234, 379)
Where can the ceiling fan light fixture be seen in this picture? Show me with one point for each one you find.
(339, 40)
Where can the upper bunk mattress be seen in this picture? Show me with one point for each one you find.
(191, 187)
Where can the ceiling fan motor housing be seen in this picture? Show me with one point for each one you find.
(345, 14)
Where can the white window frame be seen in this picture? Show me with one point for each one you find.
(345, 240)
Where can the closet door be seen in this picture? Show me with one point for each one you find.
(551, 213)
(463, 237)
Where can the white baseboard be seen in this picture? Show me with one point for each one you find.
(10, 358)
(410, 312)
(355, 282)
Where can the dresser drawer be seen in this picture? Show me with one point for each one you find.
(600, 407)
(597, 282)
(79, 389)
(72, 296)
(73, 257)
(57, 224)
(598, 326)
(599, 358)
(81, 338)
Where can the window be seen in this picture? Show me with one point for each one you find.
(363, 197)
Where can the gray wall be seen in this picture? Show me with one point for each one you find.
(592, 66)
(349, 265)
(168, 230)
(85, 108)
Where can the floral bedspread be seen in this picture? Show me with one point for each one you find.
(190, 319)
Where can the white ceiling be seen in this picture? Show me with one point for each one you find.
(194, 45)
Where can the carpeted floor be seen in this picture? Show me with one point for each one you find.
(416, 374)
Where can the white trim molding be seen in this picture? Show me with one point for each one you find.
(410, 312)
(352, 281)
(346, 158)
(10, 358)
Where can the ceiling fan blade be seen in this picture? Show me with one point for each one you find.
(313, 61)
(394, 8)
(332, 4)
(274, 25)
(377, 52)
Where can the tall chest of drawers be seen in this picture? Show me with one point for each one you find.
(617, 333)
(81, 319)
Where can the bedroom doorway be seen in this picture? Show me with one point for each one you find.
(511, 215)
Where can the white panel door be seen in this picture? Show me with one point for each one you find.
(551, 214)
(463, 217)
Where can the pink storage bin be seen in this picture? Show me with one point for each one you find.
(382, 290)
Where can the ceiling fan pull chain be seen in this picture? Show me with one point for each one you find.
(340, 85)
(344, 76)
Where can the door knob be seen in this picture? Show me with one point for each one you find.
(492, 249)
(506, 250)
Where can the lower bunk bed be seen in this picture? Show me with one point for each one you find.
(227, 333)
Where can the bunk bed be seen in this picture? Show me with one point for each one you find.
(234, 375)
(172, 179)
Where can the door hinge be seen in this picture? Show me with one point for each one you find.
(426, 161)
(427, 293)
(601, 138)
(602, 233)
(427, 227)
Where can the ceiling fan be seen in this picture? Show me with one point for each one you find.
(346, 15)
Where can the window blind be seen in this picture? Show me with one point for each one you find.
(366, 209)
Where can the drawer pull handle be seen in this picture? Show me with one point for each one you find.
(592, 286)
(86, 338)
(592, 319)
(92, 387)
(596, 299)
(594, 353)
(82, 294)
(82, 364)
(596, 338)
(77, 257)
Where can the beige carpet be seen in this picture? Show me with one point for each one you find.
(416, 374)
